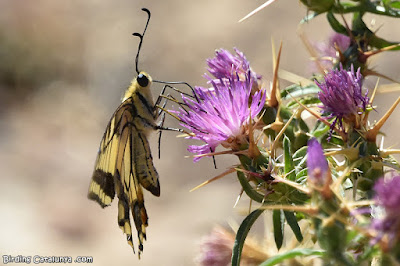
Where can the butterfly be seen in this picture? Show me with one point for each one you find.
(124, 163)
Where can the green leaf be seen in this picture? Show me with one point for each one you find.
(299, 157)
(278, 221)
(395, 4)
(285, 113)
(292, 254)
(248, 188)
(380, 43)
(391, 162)
(335, 24)
(269, 115)
(309, 17)
(361, 29)
(297, 90)
(242, 234)
(292, 221)
(388, 10)
(300, 153)
(318, 5)
(302, 125)
(331, 237)
(307, 100)
(320, 129)
(301, 176)
(288, 159)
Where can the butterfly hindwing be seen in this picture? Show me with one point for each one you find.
(124, 164)
(130, 191)
(145, 170)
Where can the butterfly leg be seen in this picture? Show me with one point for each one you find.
(161, 115)
(162, 94)
(162, 111)
(161, 123)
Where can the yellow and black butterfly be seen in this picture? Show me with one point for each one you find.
(124, 163)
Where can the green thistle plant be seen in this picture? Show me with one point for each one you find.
(326, 178)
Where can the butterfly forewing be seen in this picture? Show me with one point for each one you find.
(124, 163)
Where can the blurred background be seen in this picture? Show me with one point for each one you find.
(64, 66)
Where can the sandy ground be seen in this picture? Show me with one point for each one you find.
(49, 133)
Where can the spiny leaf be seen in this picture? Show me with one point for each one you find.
(297, 90)
(288, 159)
(242, 234)
(278, 221)
(248, 188)
(292, 254)
(292, 221)
(335, 24)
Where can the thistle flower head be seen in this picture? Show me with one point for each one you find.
(224, 64)
(340, 41)
(216, 249)
(387, 194)
(317, 164)
(327, 51)
(222, 114)
(341, 94)
(387, 198)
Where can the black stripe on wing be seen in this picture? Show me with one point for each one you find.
(116, 130)
(102, 188)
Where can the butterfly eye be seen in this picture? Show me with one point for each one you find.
(142, 80)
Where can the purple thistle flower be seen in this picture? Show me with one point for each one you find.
(340, 40)
(387, 197)
(327, 50)
(387, 194)
(222, 114)
(341, 95)
(317, 164)
(216, 249)
(224, 64)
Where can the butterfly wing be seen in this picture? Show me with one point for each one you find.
(144, 168)
(102, 186)
(124, 164)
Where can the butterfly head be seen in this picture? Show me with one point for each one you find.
(141, 84)
(143, 80)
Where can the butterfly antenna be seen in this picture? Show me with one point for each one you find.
(141, 38)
